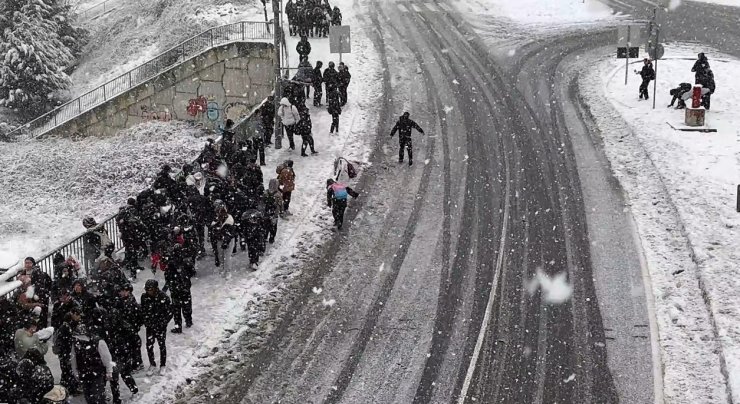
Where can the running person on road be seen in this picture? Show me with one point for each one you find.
(404, 126)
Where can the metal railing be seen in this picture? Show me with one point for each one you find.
(239, 31)
(97, 9)
(245, 128)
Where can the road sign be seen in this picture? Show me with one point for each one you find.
(656, 52)
(628, 53)
(339, 39)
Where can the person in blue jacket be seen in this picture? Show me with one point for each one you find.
(336, 197)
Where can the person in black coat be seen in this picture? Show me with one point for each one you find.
(125, 343)
(252, 225)
(317, 81)
(86, 300)
(709, 85)
(130, 318)
(110, 277)
(404, 127)
(344, 78)
(700, 68)
(267, 115)
(303, 48)
(648, 74)
(133, 235)
(331, 78)
(304, 128)
(177, 280)
(164, 181)
(61, 307)
(334, 109)
(336, 17)
(9, 322)
(64, 275)
(156, 310)
(63, 345)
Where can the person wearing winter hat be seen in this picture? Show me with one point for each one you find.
(404, 127)
(156, 310)
(86, 300)
(286, 179)
(94, 364)
(289, 116)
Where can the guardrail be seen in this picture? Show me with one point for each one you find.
(96, 9)
(239, 31)
(245, 128)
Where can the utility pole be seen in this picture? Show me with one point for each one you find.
(277, 32)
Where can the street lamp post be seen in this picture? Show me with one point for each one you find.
(276, 8)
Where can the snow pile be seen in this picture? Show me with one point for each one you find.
(50, 185)
(735, 3)
(682, 190)
(525, 20)
(138, 30)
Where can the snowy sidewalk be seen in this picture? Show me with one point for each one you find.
(225, 310)
(691, 176)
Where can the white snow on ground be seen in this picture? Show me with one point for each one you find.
(515, 22)
(735, 3)
(49, 186)
(226, 310)
(682, 189)
(137, 30)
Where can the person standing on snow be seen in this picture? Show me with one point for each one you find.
(156, 310)
(290, 11)
(344, 77)
(304, 127)
(403, 127)
(178, 282)
(286, 179)
(267, 114)
(701, 66)
(337, 195)
(648, 74)
(289, 116)
(129, 311)
(317, 81)
(303, 48)
(223, 237)
(331, 78)
(334, 109)
(125, 324)
(273, 202)
(94, 364)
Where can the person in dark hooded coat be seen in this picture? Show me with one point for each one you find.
(404, 127)
(700, 68)
(178, 282)
(156, 309)
(317, 81)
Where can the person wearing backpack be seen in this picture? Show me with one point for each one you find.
(94, 364)
(289, 116)
(337, 195)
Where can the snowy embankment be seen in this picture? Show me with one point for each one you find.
(137, 30)
(681, 187)
(49, 186)
(226, 311)
(509, 24)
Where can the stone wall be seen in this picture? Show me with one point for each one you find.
(223, 82)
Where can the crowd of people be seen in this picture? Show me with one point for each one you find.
(95, 319)
(703, 76)
(311, 17)
(86, 312)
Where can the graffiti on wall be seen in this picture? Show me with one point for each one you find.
(147, 114)
(236, 111)
(202, 104)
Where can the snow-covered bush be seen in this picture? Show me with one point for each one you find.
(36, 44)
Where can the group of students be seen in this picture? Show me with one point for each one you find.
(95, 335)
(703, 76)
(311, 17)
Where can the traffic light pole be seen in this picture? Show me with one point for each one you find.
(277, 33)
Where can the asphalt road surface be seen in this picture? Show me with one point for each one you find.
(433, 277)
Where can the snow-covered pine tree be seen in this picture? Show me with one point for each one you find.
(32, 55)
(74, 37)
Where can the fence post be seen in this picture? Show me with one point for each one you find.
(129, 79)
(79, 105)
(243, 38)
(182, 51)
(104, 96)
(210, 31)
